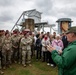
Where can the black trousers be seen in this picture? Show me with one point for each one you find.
(48, 55)
(44, 56)
(32, 50)
(51, 61)
(38, 53)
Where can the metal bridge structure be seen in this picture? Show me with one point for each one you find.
(33, 14)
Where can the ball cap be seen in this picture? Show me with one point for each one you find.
(71, 30)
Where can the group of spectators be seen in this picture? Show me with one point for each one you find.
(43, 40)
(21, 47)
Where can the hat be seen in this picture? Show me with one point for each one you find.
(27, 30)
(71, 29)
(1, 32)
(14, 32)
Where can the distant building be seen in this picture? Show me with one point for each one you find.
(63, 24)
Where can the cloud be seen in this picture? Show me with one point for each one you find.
(6, 16)
(6, 3)
(65, 7)
(10, 10)
(44, 6)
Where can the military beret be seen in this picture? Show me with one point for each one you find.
(1, 30)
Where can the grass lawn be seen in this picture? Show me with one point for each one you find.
(37, 68)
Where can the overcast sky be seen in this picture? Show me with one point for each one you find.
(10, 10)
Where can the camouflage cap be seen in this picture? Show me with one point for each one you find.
(71, 30)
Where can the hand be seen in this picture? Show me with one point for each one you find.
(28, 43)
(15, 46)
(45, 47)
(60, 51)
(50, 48)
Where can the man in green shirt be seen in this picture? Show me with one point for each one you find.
(66, 62)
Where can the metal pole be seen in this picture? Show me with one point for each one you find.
(43, 28)
(17, 22)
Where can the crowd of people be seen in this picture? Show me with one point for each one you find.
(20, 47)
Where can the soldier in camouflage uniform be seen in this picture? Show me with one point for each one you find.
(20, 48)
(26, 49)
(6, 50)
(1, 45)
(32, 44)
(15, 46)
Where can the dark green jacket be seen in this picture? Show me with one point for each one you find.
(67, 61)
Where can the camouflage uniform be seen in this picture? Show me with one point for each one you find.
(15, 47)
(26, 50)
(29, 42)
(1, 45)
(20, 49)
(6, 51)
(32, 46)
